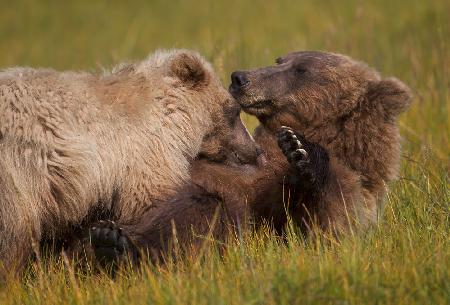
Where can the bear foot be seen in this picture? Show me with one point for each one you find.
(111, 244)
(308, 161)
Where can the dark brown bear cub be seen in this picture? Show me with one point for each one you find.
(342, 150)
(217, 202)
(343, 106)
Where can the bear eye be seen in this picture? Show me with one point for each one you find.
(300, 70)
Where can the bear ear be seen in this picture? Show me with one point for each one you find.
(391, 94)
(189, 69)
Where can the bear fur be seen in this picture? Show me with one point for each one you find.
(73, 143)
(333, 168)
(343, 106)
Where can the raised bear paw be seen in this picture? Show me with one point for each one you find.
(308, 161)
(111, 244)
(292, 147)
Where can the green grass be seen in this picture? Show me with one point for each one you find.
(404, 260)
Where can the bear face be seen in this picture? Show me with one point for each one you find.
(229, 142)
(226, 139)
(310, 88)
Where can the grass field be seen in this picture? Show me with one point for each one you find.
(404, 260)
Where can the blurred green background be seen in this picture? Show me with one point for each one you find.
(407, 38)
(405, 260)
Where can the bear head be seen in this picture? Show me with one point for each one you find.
(191, 77)
(308, 89)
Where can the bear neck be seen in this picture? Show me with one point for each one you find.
(365, 142)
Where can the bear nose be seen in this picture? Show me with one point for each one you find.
(239, 79)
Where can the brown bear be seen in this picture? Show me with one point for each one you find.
(343, 106)
(75, 143)
(334, 164)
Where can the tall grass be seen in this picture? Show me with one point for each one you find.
(404, 260)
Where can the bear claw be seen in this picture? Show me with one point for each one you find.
(110, 243)
(308, 161)
(291, 146)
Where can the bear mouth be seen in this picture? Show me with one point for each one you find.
(258, 107)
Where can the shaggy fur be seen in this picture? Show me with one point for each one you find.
(343, 106)
(345, 119)
(219, 200)
(74, 143)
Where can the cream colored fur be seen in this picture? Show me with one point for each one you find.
(71, 142)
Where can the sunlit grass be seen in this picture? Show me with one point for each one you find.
(404, 260)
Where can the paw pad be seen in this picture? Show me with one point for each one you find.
(291, 146)
(109, 242)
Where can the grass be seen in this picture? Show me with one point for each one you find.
(404, 260)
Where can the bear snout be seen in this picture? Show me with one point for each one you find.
(239, 80)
